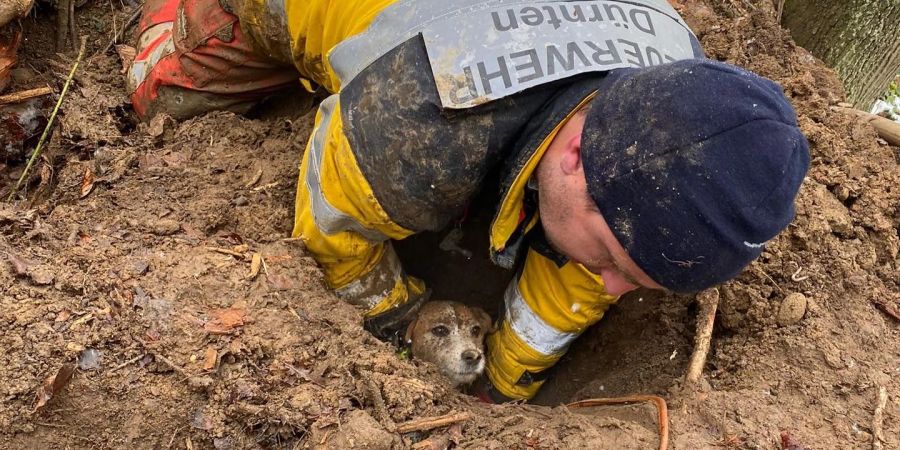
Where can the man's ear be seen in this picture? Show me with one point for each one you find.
(570, 162)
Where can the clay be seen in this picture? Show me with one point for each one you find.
(792, 309)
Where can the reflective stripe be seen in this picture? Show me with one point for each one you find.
(404, 19)
(530, 328)
(329, 219)
(393, 26)
(160, 36)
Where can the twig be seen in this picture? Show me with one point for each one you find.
(773, 281)
(62, 95)
(62, 24)
(131, 21)
(126, 363)
(430, 423)
(662, 411)
(878, 420)
(444, 441)
(709, 301)
(171, 364)
(171, 441)
(21, 96)
(780, 9)
(226, 251)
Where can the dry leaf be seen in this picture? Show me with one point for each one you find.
(255, 264)
(52, 386)
(788, 442)
(87, 182)
(8, 47)
(226, 251)
(210, 359)
(225, 320)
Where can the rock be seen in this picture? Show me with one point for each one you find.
(360, 431)
(792, 309)
(163, 227)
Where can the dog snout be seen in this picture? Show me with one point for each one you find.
(471, 356)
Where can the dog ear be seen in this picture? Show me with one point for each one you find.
(485, 320)
(407, 339)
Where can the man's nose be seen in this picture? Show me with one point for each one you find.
(471, 356)
(615, 283)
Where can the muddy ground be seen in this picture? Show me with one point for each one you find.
(131, 257)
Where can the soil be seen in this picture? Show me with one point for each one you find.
(130, 257)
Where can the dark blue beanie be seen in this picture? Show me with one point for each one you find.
(694, 165)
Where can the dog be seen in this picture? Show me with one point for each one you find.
(451, 336)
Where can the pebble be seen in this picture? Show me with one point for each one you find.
(792, 309)
(241, 201)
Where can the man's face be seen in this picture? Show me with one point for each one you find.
(571, 221)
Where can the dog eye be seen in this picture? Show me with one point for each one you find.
(476, 330)
(440, 331)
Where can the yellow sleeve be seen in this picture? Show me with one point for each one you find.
(547, 307)
(343, 225)
(317, 26)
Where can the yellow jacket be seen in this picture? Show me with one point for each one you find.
(385, 160)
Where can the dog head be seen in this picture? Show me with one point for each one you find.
(451, 336)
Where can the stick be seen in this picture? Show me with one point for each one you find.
(878, 420)
(780, 10)
(662, 411)
(62, 24)
(430, 423)
(171, 364)
(21, 96)
(126, 363)
(709, 301)
(131, 21)
(62, 95)
(886, 128)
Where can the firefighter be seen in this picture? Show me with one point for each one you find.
(628, 159)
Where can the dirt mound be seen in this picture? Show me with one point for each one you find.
(154, 258)
(799, 342)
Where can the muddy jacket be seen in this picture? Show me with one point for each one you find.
(429, 97)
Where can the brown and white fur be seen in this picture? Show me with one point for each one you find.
(451, 336)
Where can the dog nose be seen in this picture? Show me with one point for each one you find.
(471, 356)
